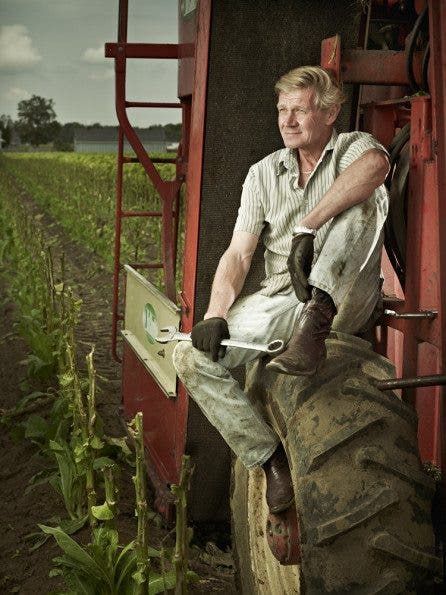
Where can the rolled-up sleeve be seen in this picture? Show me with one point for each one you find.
(360, 142)
(251, 215)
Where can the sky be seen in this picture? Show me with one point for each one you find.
(55, 49)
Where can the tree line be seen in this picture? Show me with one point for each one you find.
(37, 124)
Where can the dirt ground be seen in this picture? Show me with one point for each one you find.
(24, 571)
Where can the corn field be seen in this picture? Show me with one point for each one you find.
(79, 192)
(57, 411)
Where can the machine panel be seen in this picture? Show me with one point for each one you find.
(146, 311)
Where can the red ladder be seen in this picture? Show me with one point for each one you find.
(169, 190)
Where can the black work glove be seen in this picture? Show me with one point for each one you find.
(299, 264)
(208, 334)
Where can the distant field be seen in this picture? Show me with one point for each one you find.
(79, 191)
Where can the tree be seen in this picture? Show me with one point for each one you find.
(173, 132)
(37, 122)
(64, 140)
(6, 125)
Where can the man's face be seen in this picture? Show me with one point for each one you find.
(301, 124)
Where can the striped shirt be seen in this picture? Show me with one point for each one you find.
(273, 202)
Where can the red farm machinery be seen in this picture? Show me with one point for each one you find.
(391, 58)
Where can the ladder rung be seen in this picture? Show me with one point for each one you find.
(152, 159)
(151, 104)
(166, 51)
(141, 214)
(145, 265)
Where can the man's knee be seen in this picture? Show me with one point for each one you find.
(183, 358)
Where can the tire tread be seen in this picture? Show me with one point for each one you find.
(378, 500)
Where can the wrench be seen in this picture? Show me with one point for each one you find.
(171, 334)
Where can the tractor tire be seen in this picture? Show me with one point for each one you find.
(362, 498)
(258, 571)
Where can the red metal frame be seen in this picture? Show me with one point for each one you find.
(169, 190)
(422, 348)
(165, 420)
(193, 194)
(437, 29)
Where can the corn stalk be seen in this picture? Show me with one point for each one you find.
(180, 557)
(89, 433)
(141, 576)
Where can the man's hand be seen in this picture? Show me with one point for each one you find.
(299, 264)
(208, 334)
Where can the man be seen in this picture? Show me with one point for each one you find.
(322, 206)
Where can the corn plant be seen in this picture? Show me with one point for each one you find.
(141, 575)
(79, 191)
(103, 567)
(27, 266)
(183, 536)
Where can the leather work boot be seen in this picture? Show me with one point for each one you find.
(306, 348)
(279, 487)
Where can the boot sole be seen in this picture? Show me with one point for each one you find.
(281, 507)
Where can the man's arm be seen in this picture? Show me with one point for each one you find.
(231, 273)
(355, 184)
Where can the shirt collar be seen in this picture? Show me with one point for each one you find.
(287, 158)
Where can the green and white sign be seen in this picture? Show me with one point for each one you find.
(147, 310)
(150, 323)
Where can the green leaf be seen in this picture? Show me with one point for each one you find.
(192, 577)
(80, 452)
(55, 446)
(39, 478)
(65, 379)
(102, 512)
(28, 399)
(70, 526)
(38, 538)
(121, 443)
(102, 462)
(160, 583)
(125, 564)
(153, 553)
(106, 537)
(81, 585)
(96, 443)
(79, 557)
(139, 577)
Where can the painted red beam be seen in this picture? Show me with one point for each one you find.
(367, 67)
(145, 265)
(151, 104)
(154, 160)
(166, 51)
(141, 214)
(437, 30)
(377, 67)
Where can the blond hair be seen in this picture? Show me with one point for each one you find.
(328, 91)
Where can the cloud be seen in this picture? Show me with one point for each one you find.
(102, 76)
(94, 55)
(16, 93)
(16, 48)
